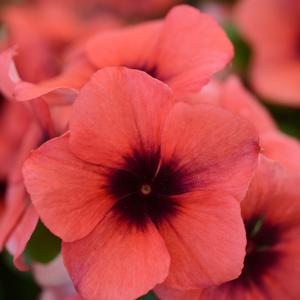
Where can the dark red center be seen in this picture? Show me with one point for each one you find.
(262, 236)
(145, 188)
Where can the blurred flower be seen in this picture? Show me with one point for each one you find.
(47, 52)
(271, 268)
(11, 132)
(138, 190)
(42, 41)
(182, 54)
(232, 96)
(54, 280)
(272, 29)
(184, 50)
(129, 8)
(44, 49)
(19, 218)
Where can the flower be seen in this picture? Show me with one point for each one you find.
(11, 132)
(275, 68)
(42, 42)
(41, 56)
(19, 219)
(271, 216)
(183, 50)
(138, 189)
(184, 54)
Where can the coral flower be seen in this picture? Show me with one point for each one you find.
(11, 132)
(45, 56)
(41, 40)
(183, 50)
(271, 269)
(138, 190)
(18, 219)
(275, 70)
(232, 96)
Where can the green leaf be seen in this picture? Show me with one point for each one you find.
(149, 296)
(43, 245)
(287, 118)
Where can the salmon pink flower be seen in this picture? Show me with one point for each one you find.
(183, 50)
(272, 27)
(11, 132)
(42, 41)
(19, 219)
(45, 56)
(232, 96)
(138, 190)
(182, 54)
(271, 269)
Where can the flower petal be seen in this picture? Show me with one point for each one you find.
(65, 191)
(13, 210)
(192, 47)
(211, 145)
(117, 262)
(8, 72)
(133, 46)
(61, 89)
(206, 241)
(235, 98)
(282, 148)
(278, 82)
(21, 235)
(118, 111)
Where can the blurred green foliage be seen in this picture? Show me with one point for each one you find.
(288, 119)
(149, 296)
(43, 245)
(15, 285)
(242, 52)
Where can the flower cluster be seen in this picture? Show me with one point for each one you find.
(123, 143)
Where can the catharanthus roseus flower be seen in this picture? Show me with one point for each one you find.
(138, 190)
(42, 41)
(19, 219)
(271, 268)
(46, 55)
(11, 132)
(275, 68)
(184, 50)
(12, 205)
(232, 96)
